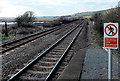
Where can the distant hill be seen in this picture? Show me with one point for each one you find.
(88, 13)
(45, 16)
(38, 18)
(7, 17)
(35, 16)
(119, 4)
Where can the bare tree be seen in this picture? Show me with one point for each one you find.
(25, 19)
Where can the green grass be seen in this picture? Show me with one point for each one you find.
(2, 39)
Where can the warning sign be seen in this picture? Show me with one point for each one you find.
(111, 30)
(111, 35)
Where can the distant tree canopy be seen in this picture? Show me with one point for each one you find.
(26, 19)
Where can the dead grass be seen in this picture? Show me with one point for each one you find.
(37, 19)
(46, 19)
(87, 17)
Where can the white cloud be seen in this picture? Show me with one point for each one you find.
(101, 1)
(52, 7)
(10, 10)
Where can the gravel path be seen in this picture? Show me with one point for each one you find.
(96, 61)
(96, 64)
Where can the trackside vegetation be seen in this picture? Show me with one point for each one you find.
(111, 15)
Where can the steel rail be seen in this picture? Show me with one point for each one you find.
(40, 55)
(42, 34)
(48, 78)
(26, 37)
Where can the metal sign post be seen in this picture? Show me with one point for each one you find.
(110, 42)
(109, 65)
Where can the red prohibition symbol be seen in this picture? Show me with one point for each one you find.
(113, 33)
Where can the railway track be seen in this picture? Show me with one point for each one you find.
(16, 43)
(46, 63)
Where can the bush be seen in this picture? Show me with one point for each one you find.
(112, 15)
(26, 19)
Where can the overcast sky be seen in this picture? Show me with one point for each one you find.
(14, 8)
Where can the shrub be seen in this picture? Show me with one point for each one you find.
(26, 19)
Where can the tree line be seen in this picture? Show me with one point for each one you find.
(25, 20)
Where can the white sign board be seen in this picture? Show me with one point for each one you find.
(111, 35)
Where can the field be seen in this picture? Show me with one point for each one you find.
(37, 19)
(87, 17)
(46, 19)
(15, 31)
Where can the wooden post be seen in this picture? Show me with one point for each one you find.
(6, 31)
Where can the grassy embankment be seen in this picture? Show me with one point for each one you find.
(111, 15)
(4, 38)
